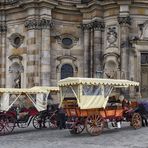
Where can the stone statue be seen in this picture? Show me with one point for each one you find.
(110, 74)
(112, 36)
(17, 80)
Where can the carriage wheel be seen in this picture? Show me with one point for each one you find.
(37, 122)
(77, 128)
(53, 121)
(44, 122)
(136, 120)
(7, 124)
(94, 124)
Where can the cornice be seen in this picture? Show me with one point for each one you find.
(70, 1)
(141, 1)
(66, 8)
(124, 2)
(88, 7)
(46, 3)
(9, 4)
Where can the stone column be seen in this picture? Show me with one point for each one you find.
(124, 42)
(3, 32)
(132, 65)
(45, 52)
(86, 49)
(3, 59)
(98, 27)
(33, 27)
(91, 56)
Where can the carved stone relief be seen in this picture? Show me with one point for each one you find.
(38, 24)
(67, 40)
(16, 68)
(16, 40)
(124, 20)
(143, 30)
(97, 25)
(112, 36)
(111, 67)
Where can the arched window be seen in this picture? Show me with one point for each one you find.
(66, 71)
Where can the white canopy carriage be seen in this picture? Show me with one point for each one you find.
(85, 103)
(37, 95)
(90, 92)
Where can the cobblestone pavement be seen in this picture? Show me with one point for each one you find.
(126, 137)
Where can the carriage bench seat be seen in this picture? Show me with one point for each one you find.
(70, 103)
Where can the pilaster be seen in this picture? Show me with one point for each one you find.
(3, 33)
(92, 47)
(124, 22)
(33, 25)
(45, 54)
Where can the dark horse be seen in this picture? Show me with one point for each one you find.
(143, 110)
(57, 114)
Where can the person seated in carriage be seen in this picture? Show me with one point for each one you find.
(125, 102)
(119, 101)
(114, 101)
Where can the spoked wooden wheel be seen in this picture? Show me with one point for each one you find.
(37, 122)
(136, 120)
(94, 124)
(47, 121)
(7, 124)
(52, 121)
(77, 128)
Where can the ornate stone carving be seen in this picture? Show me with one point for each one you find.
(124, 20)
(143, 30)
(86, 26)
(12, 57)
(112, 36)
(16, 68)
(16, 40)
(141, 26)
(12, 1)
(45, 23)
(3, 28)
(38, 24)
(67, 40)
(98, 25)
(111, 66)
(94, 25)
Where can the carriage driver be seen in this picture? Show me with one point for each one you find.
(124, 101)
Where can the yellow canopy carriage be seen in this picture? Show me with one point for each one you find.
(85, 102)
(37, 95)
(20, 106)
(91, 92)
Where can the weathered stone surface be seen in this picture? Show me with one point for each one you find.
(85, 28)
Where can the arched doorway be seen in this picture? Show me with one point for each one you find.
(66, 71)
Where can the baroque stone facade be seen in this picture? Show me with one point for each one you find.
(44, 41)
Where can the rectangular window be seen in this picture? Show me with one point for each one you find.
(92, 90)
(144, 58)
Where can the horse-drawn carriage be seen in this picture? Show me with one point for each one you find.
(86, 103)
(20, 107)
